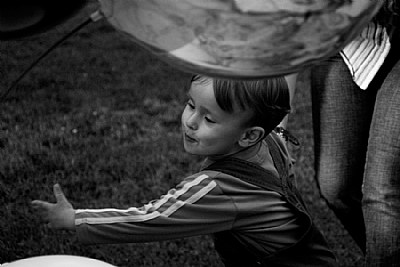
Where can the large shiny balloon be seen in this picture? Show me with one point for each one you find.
(241, 38)
(57, 261)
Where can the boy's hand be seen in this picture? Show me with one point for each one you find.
(59, 215)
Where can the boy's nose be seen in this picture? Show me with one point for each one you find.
(191, 122)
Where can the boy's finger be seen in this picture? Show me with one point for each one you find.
(42, 209)
(58, 193)
(38, 204)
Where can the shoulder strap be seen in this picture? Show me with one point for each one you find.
(280, 162)
(254, 174)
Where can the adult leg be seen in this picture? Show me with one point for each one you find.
(341, 120)
(381, 201)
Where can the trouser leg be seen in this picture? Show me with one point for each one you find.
(341, 119)
(381, 202)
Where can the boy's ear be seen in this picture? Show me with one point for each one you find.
(251, 136)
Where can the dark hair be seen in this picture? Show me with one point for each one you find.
(267, 98)
(389, 9)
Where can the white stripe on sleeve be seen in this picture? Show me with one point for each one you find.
(150, 211)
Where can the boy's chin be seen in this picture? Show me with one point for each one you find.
(187, 149)
(192, 151)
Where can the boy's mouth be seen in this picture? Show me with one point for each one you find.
(189, 138)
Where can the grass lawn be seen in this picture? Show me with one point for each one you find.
(101, 115)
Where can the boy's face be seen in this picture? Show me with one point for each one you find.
(207, 129)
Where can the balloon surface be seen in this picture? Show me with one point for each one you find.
(57, 261)
(22, 18)
(240, 38)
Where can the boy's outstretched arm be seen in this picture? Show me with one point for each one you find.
(59, 215)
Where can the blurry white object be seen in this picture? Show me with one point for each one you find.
(57, 261)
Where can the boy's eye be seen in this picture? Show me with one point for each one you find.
(190, 104)
(209, 120)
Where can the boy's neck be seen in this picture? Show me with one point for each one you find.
(243, 153)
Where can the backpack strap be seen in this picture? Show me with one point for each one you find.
(254, 174)
(232, 251)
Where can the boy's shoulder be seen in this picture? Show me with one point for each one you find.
(241, 173)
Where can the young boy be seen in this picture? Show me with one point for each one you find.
(244, 195)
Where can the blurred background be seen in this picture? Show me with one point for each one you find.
(101, 116)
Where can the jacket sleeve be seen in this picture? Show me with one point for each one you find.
(196, 206)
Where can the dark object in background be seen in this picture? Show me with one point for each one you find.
(22, 18)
